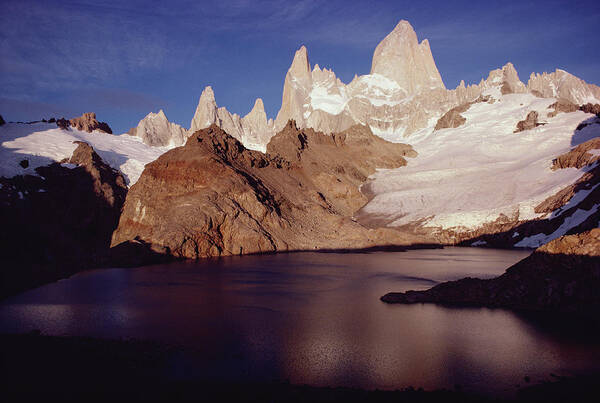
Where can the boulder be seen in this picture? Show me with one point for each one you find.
(453, 118)
(530, 122)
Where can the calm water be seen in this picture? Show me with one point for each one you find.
(314, 318)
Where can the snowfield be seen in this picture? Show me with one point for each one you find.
(470, 175)
(43, 143)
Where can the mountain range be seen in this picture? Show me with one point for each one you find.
(403, 93)
(391, 159)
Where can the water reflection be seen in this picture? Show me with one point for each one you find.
(312, 318)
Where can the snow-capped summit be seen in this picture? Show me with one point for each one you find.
(403, 93)
(400, 57)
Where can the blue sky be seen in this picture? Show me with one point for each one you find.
(123, 59)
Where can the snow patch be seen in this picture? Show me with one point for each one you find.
(45, 143)
(574, 220)
(69, 165)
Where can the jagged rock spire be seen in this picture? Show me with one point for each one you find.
(400, 57)
(297, 86)
(206, 111)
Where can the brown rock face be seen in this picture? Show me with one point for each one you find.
(561, 276)
(579, 156)
(453, 118)
(562, 106)
(213, 197)
(530, 122)
(87, 122)
(58, 223)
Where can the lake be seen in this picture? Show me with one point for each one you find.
(315, 318)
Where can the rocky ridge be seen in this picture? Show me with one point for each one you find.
(402, 94)
(88, 123)
(214, 197)
(253, 130)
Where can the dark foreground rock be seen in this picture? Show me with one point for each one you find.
(213, 197)
(560, 276)
(59, 222)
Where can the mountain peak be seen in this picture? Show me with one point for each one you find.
(206, 111)
(300, 65)
(258, 104)
(403, 26)
(207, 94)
(258, 109)
(400, 57)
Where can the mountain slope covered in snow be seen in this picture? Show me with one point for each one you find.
(41, 144)
(483, 172)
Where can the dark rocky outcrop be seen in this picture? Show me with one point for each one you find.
(87, 122)
(2, 120)
(213, 197)
(59, 222)
(591, 108)
(63, 123)
(530, 122)
(560, 276)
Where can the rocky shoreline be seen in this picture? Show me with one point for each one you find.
(561, 276)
